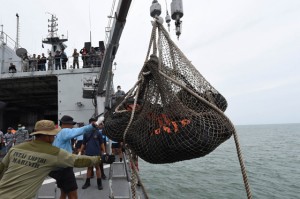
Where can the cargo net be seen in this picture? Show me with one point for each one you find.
(172, 113)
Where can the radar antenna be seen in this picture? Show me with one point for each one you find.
(52, 25)
(56, 42)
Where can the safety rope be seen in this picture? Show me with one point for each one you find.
(243, 168)
(135, 178)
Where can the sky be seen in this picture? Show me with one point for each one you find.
(249, 50)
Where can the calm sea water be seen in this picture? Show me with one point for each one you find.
(272, 159)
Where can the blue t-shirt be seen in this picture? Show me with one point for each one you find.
(92, 141)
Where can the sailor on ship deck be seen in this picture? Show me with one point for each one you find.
(12, 68)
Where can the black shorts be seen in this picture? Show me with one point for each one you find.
(115, 145)
(65, 179)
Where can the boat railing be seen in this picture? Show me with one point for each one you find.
(7, 40)
(83, 62)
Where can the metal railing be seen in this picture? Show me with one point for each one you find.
(69, 65)
(7, 40)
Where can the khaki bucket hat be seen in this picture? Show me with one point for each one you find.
(45, 127)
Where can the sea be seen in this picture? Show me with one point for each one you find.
(272, 159)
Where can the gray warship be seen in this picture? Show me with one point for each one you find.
(28, 95)
(83, 93)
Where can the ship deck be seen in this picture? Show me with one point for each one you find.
(119, 185)
(49, 189)
(116, 185)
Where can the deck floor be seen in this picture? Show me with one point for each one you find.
(120, 185)
(48, 187)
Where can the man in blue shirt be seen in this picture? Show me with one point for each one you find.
(65, 178)
(94, 146)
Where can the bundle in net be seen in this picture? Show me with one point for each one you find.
(172, 113)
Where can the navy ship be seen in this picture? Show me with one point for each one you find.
(29, 95)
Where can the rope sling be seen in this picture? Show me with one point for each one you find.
(172, 113)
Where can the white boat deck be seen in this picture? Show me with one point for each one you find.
(49, 189)
(115, 186)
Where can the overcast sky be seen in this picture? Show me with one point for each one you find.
(249, 50)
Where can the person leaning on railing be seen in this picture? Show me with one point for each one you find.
(12, 68)
(64, 59)
(33, 63)
(75, 58)
(25, 63)
(50, 59)
(83, 53)
(57, 60)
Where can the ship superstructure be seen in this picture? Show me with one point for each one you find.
(7, 52)
(28, 96)
(33, 95)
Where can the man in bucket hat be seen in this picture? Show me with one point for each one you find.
(25, 166)
(65, 178)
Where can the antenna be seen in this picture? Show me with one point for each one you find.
(18, 32)
(53, 25)
(90, 22)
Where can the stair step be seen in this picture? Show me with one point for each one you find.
(119, 176)
(121, 197)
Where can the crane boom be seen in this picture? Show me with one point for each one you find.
(105, 78)
(113, 44)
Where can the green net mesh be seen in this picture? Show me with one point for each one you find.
(172, 113)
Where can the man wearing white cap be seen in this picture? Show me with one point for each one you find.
(24, 168)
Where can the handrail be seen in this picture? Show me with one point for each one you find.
(5, 38)
(69, 64)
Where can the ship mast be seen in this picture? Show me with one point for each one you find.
(18, 33)
(2, 44)
(57, 43)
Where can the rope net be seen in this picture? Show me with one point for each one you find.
(172, 113)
